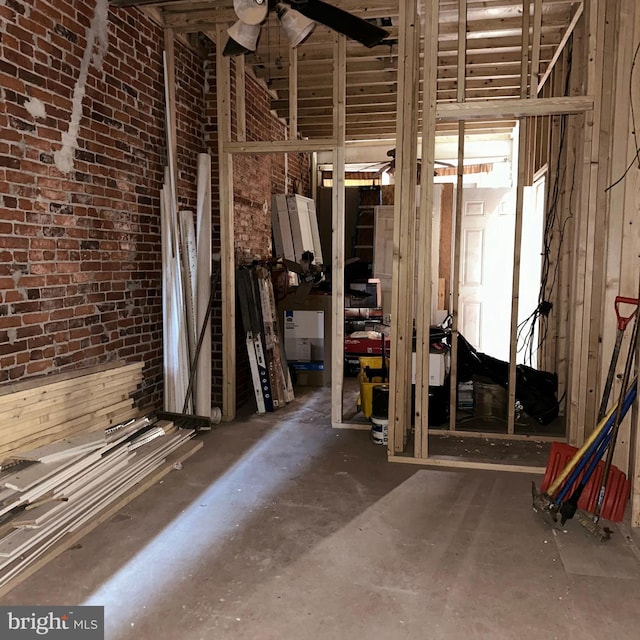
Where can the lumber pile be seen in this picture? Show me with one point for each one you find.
(37, 411)
(73, 453)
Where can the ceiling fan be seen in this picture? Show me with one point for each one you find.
(390, 166)
(298, 18)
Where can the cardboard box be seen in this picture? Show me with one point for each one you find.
(436, 369)
(316, 328)
(304, 335)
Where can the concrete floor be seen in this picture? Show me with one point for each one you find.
(282, 528)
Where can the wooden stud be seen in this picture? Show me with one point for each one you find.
(241, 108)
(535, 48)
(517, 246)
(293, 93)
(515, 286)
(584, 241)
(599, 218)
(462, 50)
(455, 283)
(338, 234)
(561, 45)
(425, 275)
(623, 232)
(402, 288)
(457, 243)
(227, 236)
(561, 298)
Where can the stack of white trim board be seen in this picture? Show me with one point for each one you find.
(74, 450)
(269, 370)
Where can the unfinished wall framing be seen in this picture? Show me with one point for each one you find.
(574, 122)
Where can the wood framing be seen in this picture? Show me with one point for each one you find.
(402, 288)
(561, 45)
(281, 146)
(293, 93)
(241, 99)
(338, 235)
(227, 236)
(588, 165)
(513, 108)
(457, 242)
(425, 276)
(517, 236)
(468, 464)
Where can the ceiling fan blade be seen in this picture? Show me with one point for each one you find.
(233, 48)
(341, 21)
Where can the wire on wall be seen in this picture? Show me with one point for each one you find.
(554, 224)
(634, 130)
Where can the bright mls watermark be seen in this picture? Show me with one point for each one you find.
(53, 623)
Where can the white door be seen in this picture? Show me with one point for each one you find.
(486, 269)
(530, 271)
(383, 251)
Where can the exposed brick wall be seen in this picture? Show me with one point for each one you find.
(80, 257)
(256, 178)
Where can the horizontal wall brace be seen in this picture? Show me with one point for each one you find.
(513, 108)
(281, 146)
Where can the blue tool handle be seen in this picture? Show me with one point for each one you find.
(592, 460)
(603, 437)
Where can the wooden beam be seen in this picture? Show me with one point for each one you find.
(523, 158)
(293, 93)
(535, 48)
(241, 109)
(227, 236)
(468, 464)
(623, 235)
(455, 282)
(513, 108)
(455, 288)
(338, 233)
(515, 282)
(425, 276)
(561, 45)
(584, 243)
(280, 146)
(462, 49)
(402, 287)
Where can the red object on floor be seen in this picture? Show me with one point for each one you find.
(366, 346)
(616, 494)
